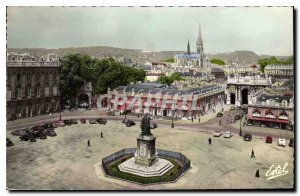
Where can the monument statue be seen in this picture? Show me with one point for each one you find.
(145, 153)
(145, 125)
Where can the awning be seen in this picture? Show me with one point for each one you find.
(269, 120)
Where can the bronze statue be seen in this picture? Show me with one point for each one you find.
(145, 125)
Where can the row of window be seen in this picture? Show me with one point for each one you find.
(29, 92)
(38, 77)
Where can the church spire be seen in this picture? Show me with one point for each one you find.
(199, 42)
(188, 48)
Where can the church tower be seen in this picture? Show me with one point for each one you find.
(188, 48)
(199, 47)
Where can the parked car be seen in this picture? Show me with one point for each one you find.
(124, 121)
(68, 122)
(111, 113)
(247, 137)
(60, 123)
(130, 123)
(51, 133)
(219, 114)
(74, 121)
(83, 121)
(25, 137)
(291, 143)
(269, 139)
(101, 121)
(217, 133)
(227, 134)
(9, 142)
(249, 124)
(16, 132)
(232, 108)
(32, 139)
(92, 121)
(281, 142)
(48, 126)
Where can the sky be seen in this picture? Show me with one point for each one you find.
(264, 30)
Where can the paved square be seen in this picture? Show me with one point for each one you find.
(65, 161)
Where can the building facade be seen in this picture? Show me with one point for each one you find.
(193, 102)
(280, 71)
(274, 111)
(240, 89)
(32, 85)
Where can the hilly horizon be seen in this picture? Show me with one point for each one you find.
(139, 55)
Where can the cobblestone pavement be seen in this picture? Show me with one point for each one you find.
(65, 161)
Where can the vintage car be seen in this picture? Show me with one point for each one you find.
(269, 139)
(227, 134)
(51, 133)
(247, 137)
(32, 139)
(130, 123)
(281, 142)
(60, 123)
(92, 121)
(219, 114)
(101, 121)
(83, 121)
(16, 132)
(9, 142)
(74, 121)
(111, 113)
(68, 122)
(217, 134)
(25, 137)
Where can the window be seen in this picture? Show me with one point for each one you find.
(8, 79)
(18, 77)
(29, 92)
(46, 76)
(46, 107)
(37, 77)
(38, 91)
(8, 94)
(46, 90)
(29, 77)
(18, 110)
(19, 92)
(54, 90)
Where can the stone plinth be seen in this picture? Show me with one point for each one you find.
(158, 168)
(145, 153)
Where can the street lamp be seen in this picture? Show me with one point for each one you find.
(241, 117)
(172, 125)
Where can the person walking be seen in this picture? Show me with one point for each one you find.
(252, 154)
(88, 143)
(220, 122)
(101, 135)
(257, 174)
(209, 141)
(198, 120)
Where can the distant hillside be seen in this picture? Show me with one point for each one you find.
(139, 55)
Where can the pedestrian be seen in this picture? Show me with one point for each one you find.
(257, 174)
(50, 115)
(252, 154)
(198, 120)
(209, 141)
(220, 123)
(88, 143)
(101, 135)
(192, 119)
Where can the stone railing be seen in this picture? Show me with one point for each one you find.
(32, 64)
(184, 161)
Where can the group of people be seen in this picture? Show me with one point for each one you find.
(89, 142)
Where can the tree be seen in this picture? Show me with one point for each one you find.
(77, 69)
(170, 79)
(273, 60)
(217, 62)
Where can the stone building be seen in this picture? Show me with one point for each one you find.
(240, 89)
(190, 59)
(280, 71)
(192, 102)
(32, 85)
(275, 111)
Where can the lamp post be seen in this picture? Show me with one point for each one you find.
(241, 117)
(172, 125)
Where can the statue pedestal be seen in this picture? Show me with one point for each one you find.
(145, 153)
